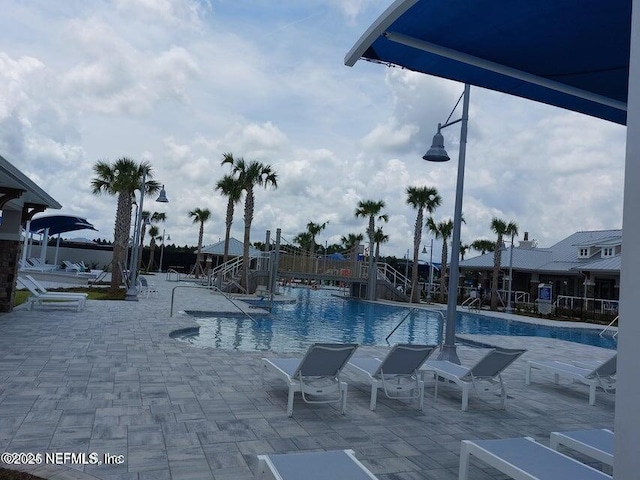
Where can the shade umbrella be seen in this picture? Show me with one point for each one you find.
(56, 225)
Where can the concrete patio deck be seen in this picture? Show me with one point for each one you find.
(110, 380)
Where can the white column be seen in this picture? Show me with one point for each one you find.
(627, 420)
(43, 246)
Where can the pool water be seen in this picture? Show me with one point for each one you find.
(320, 315)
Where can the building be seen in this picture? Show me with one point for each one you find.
(585, 264)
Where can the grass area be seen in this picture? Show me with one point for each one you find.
(94, 294)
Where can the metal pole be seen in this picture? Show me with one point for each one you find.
(449, 347)
(508, 309)
(132, 292)
(430, 273)
(372, 271)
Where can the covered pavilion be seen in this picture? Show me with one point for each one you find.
(581, 55)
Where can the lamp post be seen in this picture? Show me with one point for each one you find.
(437, 153)
(162, 250)
(132, 291)
(424, 250)
(508, 308)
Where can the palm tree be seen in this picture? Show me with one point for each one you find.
(154, 233)
(151, 218)
(442, 230)
(306, 242)
(249, 175)
(121, 178)
(371, 209)
(420, 198)
(314, 230)
(501, 228)
(351, 243)
(229, 186)
(200, 215)
(379, 237)
(464, 248)
(483, 246)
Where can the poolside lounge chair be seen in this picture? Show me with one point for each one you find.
(316, 376)
(330, 465)
(525, 459)
(595, 443)
(38, 286)
(489, 369)
(146, 288)
(53, 299)
(602, 375)
(397, 373)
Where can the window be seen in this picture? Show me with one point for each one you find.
(607, 252)
(584, 252)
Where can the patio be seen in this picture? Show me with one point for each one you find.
(110, 380)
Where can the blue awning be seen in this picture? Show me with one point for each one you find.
(59, 224)
(572, 54)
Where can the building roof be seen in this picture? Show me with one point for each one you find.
(235, 248)
(13, 179)
(561, 257)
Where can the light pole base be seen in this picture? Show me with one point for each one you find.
(449, 354)
(132, 295)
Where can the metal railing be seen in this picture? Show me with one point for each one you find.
(592, 304)
(412, 310)
(211, 287)
(608, 327)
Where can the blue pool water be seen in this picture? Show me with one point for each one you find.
(318, 315)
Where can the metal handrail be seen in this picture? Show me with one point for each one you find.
(212, 287)
(172, 271)
(411, 310)
(609, 326)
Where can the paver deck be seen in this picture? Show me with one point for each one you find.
(110, 380)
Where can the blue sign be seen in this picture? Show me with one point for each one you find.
(544, 292)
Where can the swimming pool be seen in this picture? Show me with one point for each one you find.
(318, 315)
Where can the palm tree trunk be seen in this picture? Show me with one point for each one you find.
(248, 218)
(199, 269)
(152, 248)
(227, 232)
(143, 232)
(497, 260)
(120, 238)
(417, 238)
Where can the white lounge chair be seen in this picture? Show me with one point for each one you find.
(488, 369)
(147, 288)
(602, 375)
(52, 299)
(40, 289)
(397, 374)
(316, 376)
(330, 465)
(525, 459)
(595, 443)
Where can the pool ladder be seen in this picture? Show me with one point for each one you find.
(411, 310)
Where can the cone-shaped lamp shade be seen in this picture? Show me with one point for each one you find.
(437, 153)
(163, 196)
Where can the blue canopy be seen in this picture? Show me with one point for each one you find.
(572, 54)
(59, 224)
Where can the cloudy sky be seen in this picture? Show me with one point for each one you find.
(180, 82)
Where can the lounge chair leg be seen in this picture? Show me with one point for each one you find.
(343, 390)
(527, 375)
(465, 397)
(420, 394)
(463, 472)
(592, 394)
(290, 402)
(374, 395)
(435, 397)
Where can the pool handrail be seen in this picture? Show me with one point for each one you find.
(211, 287)
(411, 310)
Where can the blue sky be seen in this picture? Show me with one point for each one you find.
(180, 82)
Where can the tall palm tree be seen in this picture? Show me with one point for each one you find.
(379, 237)
(420, 198)
(314, 230)
(154, 233)
(371, 209)
(249, 175)
(121, 178)
(442, 230)
(483, 246)
(306, 242)
(464, 248)
(151, 218)
(200, 215)
(229, 186)
(351, 243)
(500, 228)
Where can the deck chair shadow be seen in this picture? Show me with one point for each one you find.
(41, 297)
(316, 376)
(334, 464)
(397, 374)
(602, 375)
(525, 459)
(488, 369)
